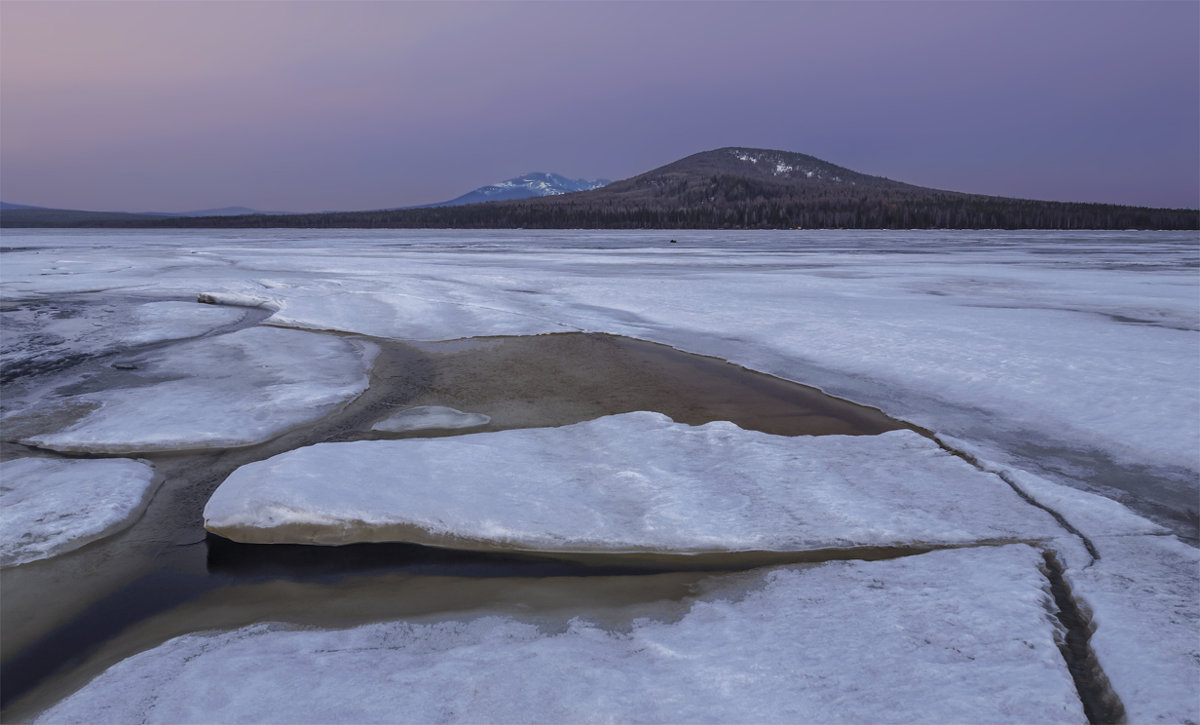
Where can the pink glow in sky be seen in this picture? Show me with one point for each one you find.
(291, 106)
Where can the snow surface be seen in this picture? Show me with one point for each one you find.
(1081, 341)
(623, 483)
(223, 391)
(1066, 357)
(1144, 595)
(1094, 515)
(430, 417)
(1077, 341)
(950, 636)
(51, 506)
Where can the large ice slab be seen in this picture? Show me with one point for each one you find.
(625, 483)
(1141, 591)
(229, 390)
(51, 506)
(1144, 598)
(950, 636)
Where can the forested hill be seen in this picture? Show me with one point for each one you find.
(734, 188)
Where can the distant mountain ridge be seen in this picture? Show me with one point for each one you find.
(223, 211)
(749, 188)
(5, 206)
(49, 216)
(728, 188)
(533, 184)
(23, 215)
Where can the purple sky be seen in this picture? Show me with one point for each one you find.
(292, 106)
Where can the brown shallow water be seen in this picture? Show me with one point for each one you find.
(550, 380)
(65, 618)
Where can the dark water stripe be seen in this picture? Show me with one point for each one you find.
(70, 644)
(1101, 704)
(232, 564)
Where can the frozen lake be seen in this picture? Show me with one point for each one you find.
(1050, 385)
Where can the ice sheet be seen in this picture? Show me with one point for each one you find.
(1075, 340)
(51, 506)
(430, 417)
(953, 636)
(622, 483)
(1064, 353)
(1092, 514)
(1060, 353)
(1144, 596)
(1142, 592)
(229, 390)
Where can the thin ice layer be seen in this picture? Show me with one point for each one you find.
(51, 506)
(951, 636)
(430, 417)
(230, 390)
(44, 335)
(632, 482)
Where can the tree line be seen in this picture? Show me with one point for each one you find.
(721, 201)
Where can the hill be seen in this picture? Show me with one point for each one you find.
(745, 188)
(735, 188)
(20, 215)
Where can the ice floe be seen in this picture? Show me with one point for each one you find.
(951, 636)
(51, 506)
(430, 417)
(41, 335)
(1143, 595)
(1090, 513)
(1141, 590)
(229, 390)
(625, 483)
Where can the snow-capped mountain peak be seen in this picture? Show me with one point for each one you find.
(535, 183)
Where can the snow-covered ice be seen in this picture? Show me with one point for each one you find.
(1071, 354)
(44, 334)
(50, 506)
(1144, 596)
(1141, 591)
(430, 417)
(223, 391)
(156, 321)
(1092, 514)
(1082, 341)
(1074, 341)
(1054, 357)
(625, 483)
(950, 636)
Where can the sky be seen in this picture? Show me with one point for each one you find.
(305, 106)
